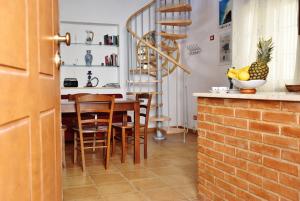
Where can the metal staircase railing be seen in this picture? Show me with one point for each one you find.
(153, 53)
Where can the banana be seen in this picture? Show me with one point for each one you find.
(246, 68)
(235, 73)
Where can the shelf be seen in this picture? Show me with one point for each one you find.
(73, 56)
(94, 44)
(92, 66)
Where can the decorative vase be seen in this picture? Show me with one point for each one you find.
(88, 58)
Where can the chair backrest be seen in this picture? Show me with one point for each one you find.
(72, 96)
(145, 106)
(100, 105)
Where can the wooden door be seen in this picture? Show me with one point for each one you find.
(30, 158)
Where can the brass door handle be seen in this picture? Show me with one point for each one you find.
(57, 60)
(63, 39)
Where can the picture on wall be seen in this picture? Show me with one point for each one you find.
(225, 11)
(225, 48)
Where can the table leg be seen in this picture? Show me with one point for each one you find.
(136, 132)
(124, 116)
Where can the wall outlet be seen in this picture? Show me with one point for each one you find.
(212, 37)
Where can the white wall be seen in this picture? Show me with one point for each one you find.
(206, 70)
(103, 11)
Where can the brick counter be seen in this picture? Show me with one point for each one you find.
(248, 149)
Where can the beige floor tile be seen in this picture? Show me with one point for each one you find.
(139, 174)
(99, 169)
(169, 174)
(184, 161)
(178, 180)
(129, 166)
(115, 188)
(157, 163)
(167, 171)
(80, 193)
(189, 191)
(148, 184)
(107, 178)
(77, 181)
(71, 172)
(126, 197)
(164, 194)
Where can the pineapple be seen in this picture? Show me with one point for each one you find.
(259, 69)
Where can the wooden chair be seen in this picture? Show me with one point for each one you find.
(94, 130)
(145, 103)
(70, 119)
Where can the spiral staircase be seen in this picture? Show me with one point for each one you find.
(154, 54)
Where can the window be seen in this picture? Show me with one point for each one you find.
(278, 19)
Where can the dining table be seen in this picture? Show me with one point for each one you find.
(121, 105)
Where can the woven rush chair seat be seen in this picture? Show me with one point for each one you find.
(92, 129)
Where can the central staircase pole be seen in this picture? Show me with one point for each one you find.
(159, 111)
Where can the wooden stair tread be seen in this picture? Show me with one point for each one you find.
(172, 130)
(138, 70)
(156, 106)
(160, 119)
(142, 81)
(176, 8)
(172, 36)
(175, 22)
(153, 93)
(167, 48)
(145, 61)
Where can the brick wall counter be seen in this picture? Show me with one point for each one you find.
(248, 149)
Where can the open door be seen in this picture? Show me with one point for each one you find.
(30, 153)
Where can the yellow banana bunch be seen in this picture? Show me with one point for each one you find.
(239, 74)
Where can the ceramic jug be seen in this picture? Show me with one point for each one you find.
(89, 37)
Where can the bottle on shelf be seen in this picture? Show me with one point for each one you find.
(88, 58)
(111, 40)
(111, 60)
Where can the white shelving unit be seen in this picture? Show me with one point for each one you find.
(73, 56)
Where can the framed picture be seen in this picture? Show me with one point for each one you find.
(225, 13)
(225, 48)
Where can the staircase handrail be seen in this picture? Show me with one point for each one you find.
(128, 26)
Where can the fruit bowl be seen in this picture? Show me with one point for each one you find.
(293, 87)
(248, 87)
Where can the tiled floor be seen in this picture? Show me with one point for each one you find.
(169, 174)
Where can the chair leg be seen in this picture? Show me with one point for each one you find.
(94, 142)
(113, 141)
(145, 143)
(107, 151)
(75, 147)
(82, 151)
(123, 145)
